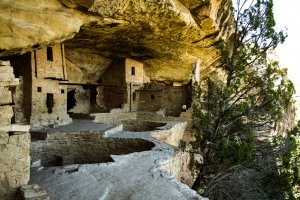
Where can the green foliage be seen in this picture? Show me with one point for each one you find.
(288, 157)
(235, 152)
(253, 94)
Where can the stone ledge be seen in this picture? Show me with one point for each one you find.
(15, 128)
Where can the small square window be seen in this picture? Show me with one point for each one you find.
(39, 89)
(152, 96)
(62, 91)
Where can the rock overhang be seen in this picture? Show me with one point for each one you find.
(166, 35)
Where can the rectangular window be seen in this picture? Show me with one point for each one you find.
(39, 89)
(49, 54)
(62, 91)
(50, 102)
(132, 71)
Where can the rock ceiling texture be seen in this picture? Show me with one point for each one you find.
(167, 35)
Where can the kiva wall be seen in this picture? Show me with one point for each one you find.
(82, 148)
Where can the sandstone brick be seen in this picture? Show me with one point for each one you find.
(4, 63)
(6, 70)
(5, 96)
(6, 73)
(4, 137)
(14, 140)
(6, 113)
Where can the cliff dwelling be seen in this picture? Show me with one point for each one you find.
(59, 110)
(95, 96)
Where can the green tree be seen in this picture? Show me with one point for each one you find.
(288, 157)
(252, 95)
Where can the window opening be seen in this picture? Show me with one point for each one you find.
(39, 89)
(152, 96)
(132, 71)
(49, 54)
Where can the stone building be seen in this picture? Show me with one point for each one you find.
(39, 99)
(119, 85)
(125, 88)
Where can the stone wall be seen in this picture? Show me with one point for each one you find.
(49, 98)
(82, 148)
(14, 139)
(134, 71)
(42, 114)
(168, 98)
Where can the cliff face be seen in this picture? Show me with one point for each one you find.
(167, 35)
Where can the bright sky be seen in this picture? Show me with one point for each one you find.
(287, 14)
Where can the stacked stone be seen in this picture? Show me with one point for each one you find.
(14, 147)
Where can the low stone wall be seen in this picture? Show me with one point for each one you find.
(14, 163)
(114, 117)
(171, 134)
(163, 129)
(83, 148)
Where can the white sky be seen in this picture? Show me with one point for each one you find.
(287, 14)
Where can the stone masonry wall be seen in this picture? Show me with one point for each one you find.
(14, 142)
(46, 73)
(167, 98)
(82, 148)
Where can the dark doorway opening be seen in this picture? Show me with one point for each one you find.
(93, 95)
(50, 102)
(71, 101)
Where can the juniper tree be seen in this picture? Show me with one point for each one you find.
(253, 94)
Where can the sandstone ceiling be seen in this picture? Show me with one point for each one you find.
(167, 35)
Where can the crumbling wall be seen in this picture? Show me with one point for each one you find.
(81, 100)
(14, 146)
